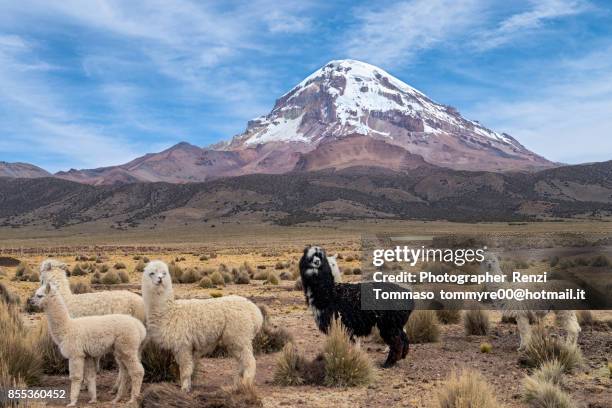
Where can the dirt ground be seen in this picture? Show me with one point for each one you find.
(414, 382)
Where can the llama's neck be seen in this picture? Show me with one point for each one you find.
(157, 302)
(57, 316)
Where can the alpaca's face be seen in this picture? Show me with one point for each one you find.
(490, 263)
(156, 273)
(39, 299)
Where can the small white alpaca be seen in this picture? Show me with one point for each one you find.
(82, 340)
(91, 304)
(193, 328)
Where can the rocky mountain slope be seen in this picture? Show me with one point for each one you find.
(346, 113)
(23, 170)
(426, 192)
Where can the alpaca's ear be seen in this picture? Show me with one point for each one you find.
(47, 288)
(307, 248)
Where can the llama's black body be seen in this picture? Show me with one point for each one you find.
(328, 300)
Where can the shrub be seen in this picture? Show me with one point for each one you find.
(110, 278)
(190, 275)
(206, 283)
(476, 322)
(345, 364)
(549, 371)
(119, 265)
(554, 261)
(261, 276)
(447, 316)
(53, 363)
(103, 268)
(356, 271)
(486, 347)
(585, 318)
(217, 279)
(145, 259)
(242, 278)
(175, 272)
(298, 284)
(18, 348)
(140, 266)
(270, 340)
(80, 287)
(216, 294)
(284, 275)
(7, 297)
(600, 261)
(423, 327)
(24, 273)
(541, 394)
(272, 279)
(543, 348)
(124, 276)
(137, 257)
(467, 389)
(96, 278)
(290, 367)
(227, 278)
(204, 258)
(159, 364)
(247, 268)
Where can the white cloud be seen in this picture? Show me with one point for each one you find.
(565, 117)
(524, 23)
(395, 34)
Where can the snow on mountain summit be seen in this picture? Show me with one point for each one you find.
(353, 96)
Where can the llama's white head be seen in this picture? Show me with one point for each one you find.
(51, 265)
(42, 294)
(490, 263)
(156, 276)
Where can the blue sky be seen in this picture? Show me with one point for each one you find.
(99, 82)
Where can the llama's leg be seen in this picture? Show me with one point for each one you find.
(569, 321)
(524, 328)
(393, 338)
(136, 372)
(90, 376)
(184, 358)
(117, 380)
(75, 367)
(405, 344)
(123, 379)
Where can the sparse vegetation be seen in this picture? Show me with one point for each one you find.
(206, 283)
(290, 367)
(159, 364)
(53, 363)
(542, 389)
(270, 340)
(110, 278)
(467, 389)
(448, 316)
(543, 348)
(217, 279)
(272, 279)
(190, 275)
(119, 265)
(80, 287)
(423, 327)
(124, 276)
(476, 322)
(345, 364)
(585, 318)
(486, 347)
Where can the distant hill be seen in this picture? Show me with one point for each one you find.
(425, 192)
(23, 170)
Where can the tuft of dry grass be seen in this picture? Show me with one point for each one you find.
(542, 348)
(423, 327)
(53, 363)
(206, 283)
(80, 287)
(175, 272)
(467, 389)
(119, 265)
(272, 279)
(448, 316)
(270, 339)
(190, 275)
(18, 347)
(171, 396)
(586, 318)
(7, 297)
(110, 278)
(242, 278)
(290, 367)
(217, 279)
(476, 322)
(542, 389)
(159, 364)
(345, 364)
(124, 277)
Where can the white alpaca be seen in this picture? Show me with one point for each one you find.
(335, 269)
(192, 328)
(91, 304)
(82, 340)
(525, 311)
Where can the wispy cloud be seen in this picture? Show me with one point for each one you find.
(395, 34)
(524, 23)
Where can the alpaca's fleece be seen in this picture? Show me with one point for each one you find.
(91, 304)
(82, 340)
(194, 327)
(335, 269)
(527, 310)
